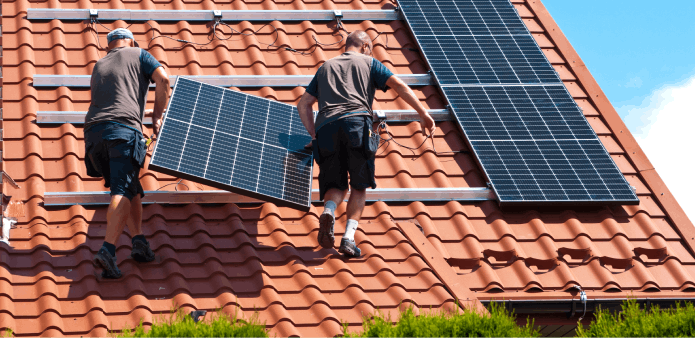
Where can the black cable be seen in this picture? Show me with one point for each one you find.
(383, 126)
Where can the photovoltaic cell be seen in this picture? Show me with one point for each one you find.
(535, 145)
(531, 139)
(477, 42)
(237, 142)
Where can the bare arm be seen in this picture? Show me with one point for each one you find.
(404, 91)
(161, 97)
(306, 114)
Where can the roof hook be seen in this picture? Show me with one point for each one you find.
(217, 15)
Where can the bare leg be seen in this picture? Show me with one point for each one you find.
(116, 217)
(335, 195)
(135, 217)
(356, 204)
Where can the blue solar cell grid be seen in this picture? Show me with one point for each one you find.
(237, 142)
(531, 139)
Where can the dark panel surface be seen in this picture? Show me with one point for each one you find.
(529, 135)
(235, 141)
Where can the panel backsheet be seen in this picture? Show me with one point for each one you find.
(235, 141)
(528, 134)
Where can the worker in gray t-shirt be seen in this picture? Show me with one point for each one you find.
(114, 144)
(342, 133)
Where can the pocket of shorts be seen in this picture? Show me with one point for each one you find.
(371, 140)
(140, 150)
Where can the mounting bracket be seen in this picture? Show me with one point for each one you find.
(338, 14)
(217, 15)
(93, 13)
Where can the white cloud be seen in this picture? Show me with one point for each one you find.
(664, 126)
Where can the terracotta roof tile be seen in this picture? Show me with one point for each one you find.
(247, 257)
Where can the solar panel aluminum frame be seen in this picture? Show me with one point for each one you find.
(230, 188)
(512, 203)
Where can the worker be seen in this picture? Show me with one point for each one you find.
(342, 137)
(114, 144)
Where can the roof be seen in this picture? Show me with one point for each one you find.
(266, 258)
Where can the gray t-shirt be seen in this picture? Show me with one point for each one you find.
(345, 86)
(120, 82)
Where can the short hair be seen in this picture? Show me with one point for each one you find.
(357, 39)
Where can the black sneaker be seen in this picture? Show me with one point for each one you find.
(349, 248)
(142, 252)
(107, 262)
(326, 222)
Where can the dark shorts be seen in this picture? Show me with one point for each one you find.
(342, 148)
(116, 153)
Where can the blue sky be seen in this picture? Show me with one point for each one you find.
(642, 53)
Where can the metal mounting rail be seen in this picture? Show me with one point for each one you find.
(209, 15)
(220, 196)
(77, 117)
(78, 81)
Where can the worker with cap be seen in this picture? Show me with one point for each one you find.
(114, 144)
(343, 139)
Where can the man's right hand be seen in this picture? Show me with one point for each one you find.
(427, 124)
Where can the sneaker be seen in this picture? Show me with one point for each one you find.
(349, 248)
(107, 262)
(142, 252)
(326, 222)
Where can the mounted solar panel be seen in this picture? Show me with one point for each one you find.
(476, 42)
(237, 142)
(532, 141)
(535, 145)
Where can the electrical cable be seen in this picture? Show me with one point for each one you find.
(176, 186)
(385, 141)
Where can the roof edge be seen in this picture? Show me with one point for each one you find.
(434, 259)
(624, 137)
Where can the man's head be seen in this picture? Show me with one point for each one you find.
(121, 37)
(358, 41)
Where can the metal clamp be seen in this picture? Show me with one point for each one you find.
(338, 14)
(217, 15)
(93, 13)
(380, 114)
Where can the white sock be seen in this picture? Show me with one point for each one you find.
(350, 229)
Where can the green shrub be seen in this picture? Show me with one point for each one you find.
(181, 325)
(8, 333)
(499, 323)
(633, 321)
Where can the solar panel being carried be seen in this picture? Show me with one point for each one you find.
(529, 136)
(237, 142)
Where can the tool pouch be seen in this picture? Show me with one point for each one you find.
(371, 139)
(139, 150)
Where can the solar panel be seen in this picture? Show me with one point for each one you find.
(237, 142)
(528, 134)
(535, 145)
(477, 42)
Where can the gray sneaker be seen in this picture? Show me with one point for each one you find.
(104, 260)
(349, 248)
(142, 252)
(326, 222)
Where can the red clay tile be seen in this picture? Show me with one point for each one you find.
(242, 258)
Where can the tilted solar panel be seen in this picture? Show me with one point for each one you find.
(237, 142)
(528, 134)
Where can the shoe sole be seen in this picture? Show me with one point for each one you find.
(349, 252)
(141, 258)
(100, 263)
(326, 222)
